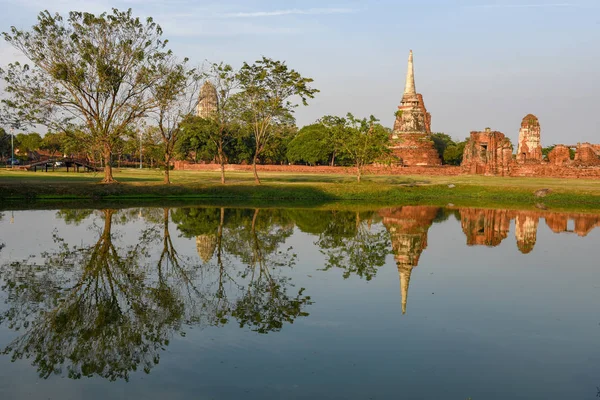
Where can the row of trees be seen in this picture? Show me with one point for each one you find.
(104, 76)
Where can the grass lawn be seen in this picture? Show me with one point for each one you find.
(290, 188)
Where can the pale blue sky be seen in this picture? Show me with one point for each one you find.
(478, 63)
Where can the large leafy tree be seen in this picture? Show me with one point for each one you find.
(312, 145)
(265, 101)
(91, 71)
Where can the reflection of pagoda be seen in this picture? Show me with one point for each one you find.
(526, 230)
(408, 228)
(484, 227)
(206, 245)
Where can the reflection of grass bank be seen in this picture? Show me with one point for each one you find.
(279, 189)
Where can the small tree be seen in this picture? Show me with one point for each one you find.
(267, 87)
(336, 128)
(88, 70)
(364, 141)
(225, 82)
(174, 97)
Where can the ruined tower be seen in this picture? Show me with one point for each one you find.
(530, 148)
(411, 137)
(208, 101)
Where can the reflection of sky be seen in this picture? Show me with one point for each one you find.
(481, 322)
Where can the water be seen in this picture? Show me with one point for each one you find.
(214, 303)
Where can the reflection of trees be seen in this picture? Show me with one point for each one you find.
(260, 298)
(351, 243)
(88, 308)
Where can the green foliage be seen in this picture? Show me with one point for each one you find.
(441, 141)
(267, 87)
(313, 145)
(92, 71)
(5, 146)
(194, 140)
(28, 142)
(453, 154)
(53, 142)
(361, 141)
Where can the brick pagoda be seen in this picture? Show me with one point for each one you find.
(411, 137)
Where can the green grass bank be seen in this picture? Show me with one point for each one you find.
(23, 189)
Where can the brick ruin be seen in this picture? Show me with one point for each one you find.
(530, 148)
(488, 153)
(411, 136)
(208, 101)
(491, 153)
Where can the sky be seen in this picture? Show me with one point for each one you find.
(478, 63)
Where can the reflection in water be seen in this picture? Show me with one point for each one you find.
(408, 228)
(110, 307)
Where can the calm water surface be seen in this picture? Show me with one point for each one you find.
(229, 303)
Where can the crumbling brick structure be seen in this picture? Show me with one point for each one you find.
(586, 154)
(411, 136)
(529, 149)
(488, 152)
(559, 155)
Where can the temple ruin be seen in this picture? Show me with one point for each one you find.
(411, 136)
(208, 101)
(488, 153)
(491, 153)
(529, 148)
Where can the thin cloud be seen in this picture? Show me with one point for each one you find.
(549, 5)
(292, 11)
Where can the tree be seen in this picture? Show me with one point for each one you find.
(28, 142)
(453, 154)
(91, 71)
(5, 147)
(312, 145)
(363, 141)
(174, 96)
(264, 102)
(194, 139)
(441, 141)
(224, 80)
(336, 127)
(53, 142)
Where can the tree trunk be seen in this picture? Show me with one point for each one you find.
(108, 173)
(222, 162)
(256, 179)
(333, 159)
(167, 169)
(358, 172)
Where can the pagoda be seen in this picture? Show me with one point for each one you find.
(411, 139)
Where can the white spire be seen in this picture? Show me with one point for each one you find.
(410, 76)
